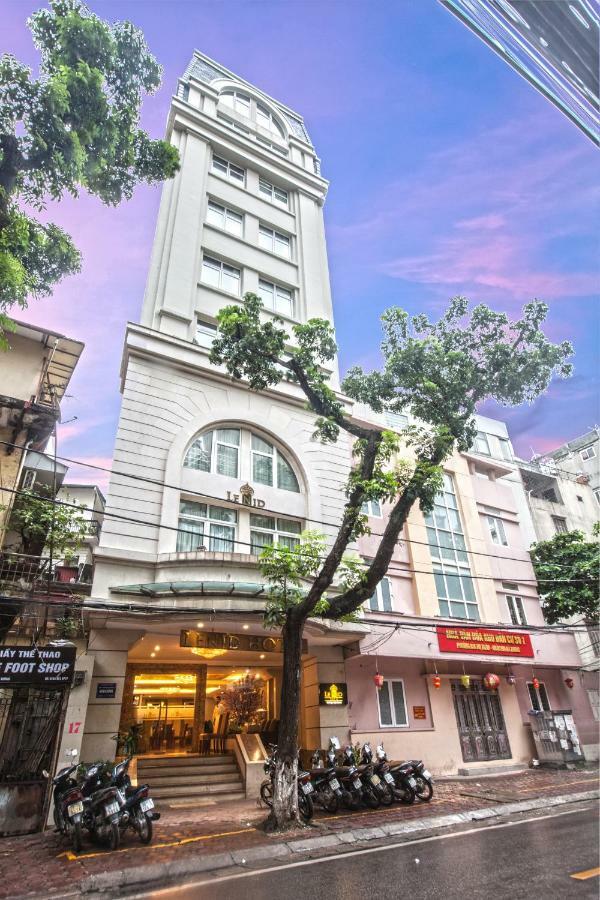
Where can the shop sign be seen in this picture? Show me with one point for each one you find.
(216, 640)
(245, 497)
(419, 712)
(333, 694)
(483, 640)
(43, 666)
(107, 690)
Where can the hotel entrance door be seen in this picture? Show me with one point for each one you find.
(480, 721)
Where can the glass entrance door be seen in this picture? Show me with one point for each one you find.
(480, 722)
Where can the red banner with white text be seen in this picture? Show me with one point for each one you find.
(483, 641)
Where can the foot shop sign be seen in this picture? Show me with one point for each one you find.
(483, 641)
(42, 666)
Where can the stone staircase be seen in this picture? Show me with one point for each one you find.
(189, 781)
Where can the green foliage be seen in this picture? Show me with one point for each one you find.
(40, 522)
(568, 571)
(287, 570)
(75, 127)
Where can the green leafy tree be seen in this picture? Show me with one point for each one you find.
(40, 523)
(75, 127)
(439, 371)
(567, 568)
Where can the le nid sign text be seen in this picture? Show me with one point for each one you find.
(50, 666)
(333, 694)
(225, 641)
(483, 641)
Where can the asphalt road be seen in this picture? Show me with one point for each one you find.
(528, 858)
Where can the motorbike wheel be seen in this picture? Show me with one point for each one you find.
(143, 826)
(424, 790)
(404, 794)
(370, 798)
(350, 800)
(329, 800)
(57, 821)
(266, 792)
(305, 807)
(387, 796)
(114, 836)
(76, 837)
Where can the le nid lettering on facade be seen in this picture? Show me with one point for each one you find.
(245, 214)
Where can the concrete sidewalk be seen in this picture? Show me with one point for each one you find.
(190, 841)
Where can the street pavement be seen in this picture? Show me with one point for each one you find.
(533, 858)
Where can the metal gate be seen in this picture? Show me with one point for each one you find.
(481, 726)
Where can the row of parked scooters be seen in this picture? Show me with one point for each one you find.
(104, 803)
(340, 780)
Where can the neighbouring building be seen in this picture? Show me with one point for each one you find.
(76, 566)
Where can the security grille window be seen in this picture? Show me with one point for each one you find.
(497, 533)
(515, 610)
(277, 298)
(228, 169)
(505, 449)
(597, 495)
(266, 119)
(237, 101)
(274, 241)
(273, 193)
(392, 705)
(206, 332)
(560, 524)
(224, 218)
(594, 636)
(538, 697)
(588, 452)
(266, 531)
(237, 453)
(481, 444)
(452, 573)
(594, 698)
(220, 275)
(371, 508)
(205, 527)
(28, 479)
(381, 599)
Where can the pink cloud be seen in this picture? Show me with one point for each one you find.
(90, 470)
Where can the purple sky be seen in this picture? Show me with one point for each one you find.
(449, 174)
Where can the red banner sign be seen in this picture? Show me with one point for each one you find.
(484, 641)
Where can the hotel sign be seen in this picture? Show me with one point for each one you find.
(216, 640)
(483, 641)
(333, 694)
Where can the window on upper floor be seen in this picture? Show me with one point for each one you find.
(274, 241)
(371, 508)
(481, 473)
(228, 169)
(560, 524)
(266, 119)
(396, 420)
(597, 495)
(273, 193)
(266, 531)
(276, 297)
(237, 100)
(238, 453)
(381, 599)
(538, 696)
(516, 610)
(391, 700)
(452, 573)
(551, 495)
(506, 449)
(594, 636)
(225, 218)
(482, 444)
(206, 332)
(205, 527)
(588, 452)
(497, 532)
(221, 275)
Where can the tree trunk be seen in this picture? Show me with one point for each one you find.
(285, 791)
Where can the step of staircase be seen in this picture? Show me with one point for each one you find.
(172, 762)
(196, 802)
(175, 781)
(196, 790)
(190, 781)
(156, 774)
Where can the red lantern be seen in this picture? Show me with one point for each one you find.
(569, 682)
(378, 679)
(535, 682)
(436, 681)
(491, 681)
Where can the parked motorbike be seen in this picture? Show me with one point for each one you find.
(405, 784)
(68, 805)
(424, 779)
(137, 807)
(102, 806)
(376, 772)
(305, 788)
(328, 790)
(368, 786)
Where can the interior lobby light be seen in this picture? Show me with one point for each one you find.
(199, 624)
(153, 654)
(157, 647)
(208, 652)
(245, 627)
(262, 656)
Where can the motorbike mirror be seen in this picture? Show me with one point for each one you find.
(334, 743)
(45, 773)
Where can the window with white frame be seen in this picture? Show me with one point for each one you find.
(538, 696)
(202, 526)
(497, 532)
(588, 452)
(228, 169)
(381, 599)
(451, 570)
(267, 531)
(597, 495)
(276, 297)
(236, 100)
(221, 275)
(482, 444)
(594, 698)
(371, 508)
(274, 241)
(273, 193)
(266, 119)
(206, 332)
(594, 636)
(515, 609)
(392, 704)
(225, 218)
(239, 453)
(506, 449)
(395, 420)
(560, 524)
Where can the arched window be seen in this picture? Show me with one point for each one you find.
(236, 100)
(266, 119)
(239, 453)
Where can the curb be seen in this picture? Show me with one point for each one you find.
(144, 876)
